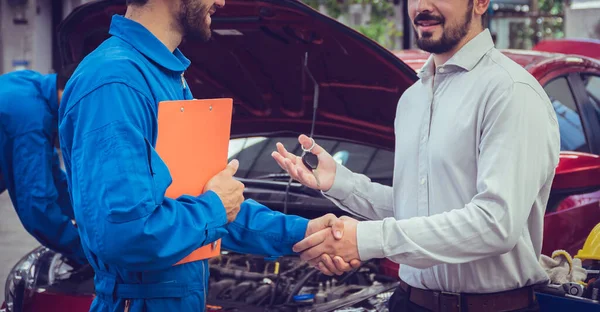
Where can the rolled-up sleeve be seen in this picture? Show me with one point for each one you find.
(519, 151)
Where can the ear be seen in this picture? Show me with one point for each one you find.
(481, 6)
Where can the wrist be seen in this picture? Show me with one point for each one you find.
(342, 185)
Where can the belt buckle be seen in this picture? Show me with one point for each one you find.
(452, 294)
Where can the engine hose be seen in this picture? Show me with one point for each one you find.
(261, 292)
(274, 290)
(352, 273)
(300, 285)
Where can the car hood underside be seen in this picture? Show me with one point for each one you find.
(258, 54)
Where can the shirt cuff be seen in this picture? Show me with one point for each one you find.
(218, 212)
(369, 239)
(343, 183)
(298, 230)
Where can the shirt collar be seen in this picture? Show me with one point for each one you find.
(466, 58)
(49, 92)
(146, 43)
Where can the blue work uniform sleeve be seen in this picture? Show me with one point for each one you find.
(261, 231)
(36, 196)
(118, 184)
(62, 188)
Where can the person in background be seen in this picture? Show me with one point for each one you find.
(29, 162)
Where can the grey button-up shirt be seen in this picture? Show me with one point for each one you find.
(477, 143)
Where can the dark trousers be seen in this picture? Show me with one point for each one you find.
(399, 302)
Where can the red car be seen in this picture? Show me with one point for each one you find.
(284, 63)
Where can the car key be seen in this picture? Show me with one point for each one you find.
(311, 162)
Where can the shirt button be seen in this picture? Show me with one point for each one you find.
(424, 138)
(423, 180)
(441, 70)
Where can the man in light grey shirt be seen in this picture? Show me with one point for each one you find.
(477, 143)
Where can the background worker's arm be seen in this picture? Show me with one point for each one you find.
(119, 183)
(40, 212)
(62, 188)
(259, 230)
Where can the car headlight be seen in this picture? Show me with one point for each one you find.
(21, 277)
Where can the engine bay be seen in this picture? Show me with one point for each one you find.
(249, 283)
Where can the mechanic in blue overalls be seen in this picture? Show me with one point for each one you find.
(132, 234)
(29, 162)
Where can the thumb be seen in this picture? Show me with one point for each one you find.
(232, 167)
(337, 229)
(307, 143)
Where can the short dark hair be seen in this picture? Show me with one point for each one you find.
(64, 74)
(136, 2)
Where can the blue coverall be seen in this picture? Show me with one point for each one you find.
(29, 162)
(132, 234)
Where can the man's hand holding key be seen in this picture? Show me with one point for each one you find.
(304, 171)
(229, 190)
(315, 169)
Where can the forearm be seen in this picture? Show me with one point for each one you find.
(161, 238)
(356, 194)
(259, 230)
(46, 223)
(459, 236)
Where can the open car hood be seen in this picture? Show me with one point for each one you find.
(256, 56)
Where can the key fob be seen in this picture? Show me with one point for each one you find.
(311, 161)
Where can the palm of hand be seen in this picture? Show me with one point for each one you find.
(298, 171)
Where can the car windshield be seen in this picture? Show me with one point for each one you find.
(256, 162)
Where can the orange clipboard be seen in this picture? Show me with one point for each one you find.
(193, 141)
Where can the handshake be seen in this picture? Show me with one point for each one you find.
(330, 243)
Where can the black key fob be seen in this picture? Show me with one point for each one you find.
(311, 161)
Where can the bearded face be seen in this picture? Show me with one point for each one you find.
(194, 18)
(440, 33)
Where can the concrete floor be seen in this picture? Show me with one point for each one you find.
(15, 242)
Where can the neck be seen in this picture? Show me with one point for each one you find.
(157, 17)
(441, 59)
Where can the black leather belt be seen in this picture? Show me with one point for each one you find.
(438, 301)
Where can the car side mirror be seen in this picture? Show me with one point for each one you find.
(576, 173)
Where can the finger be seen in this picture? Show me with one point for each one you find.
(355, 263)
(306, 178)
(307, 142)
(314, 262)
(328, 263)
(341, 265)
(311, 241)
(337, 228)
(314, 252)
(281, 149)
(321, 267)
(291, 168)
(279, 159)
(232, 167)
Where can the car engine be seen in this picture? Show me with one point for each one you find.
(248, 283)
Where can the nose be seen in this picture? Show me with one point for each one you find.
(220, 3)
(424, 6)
